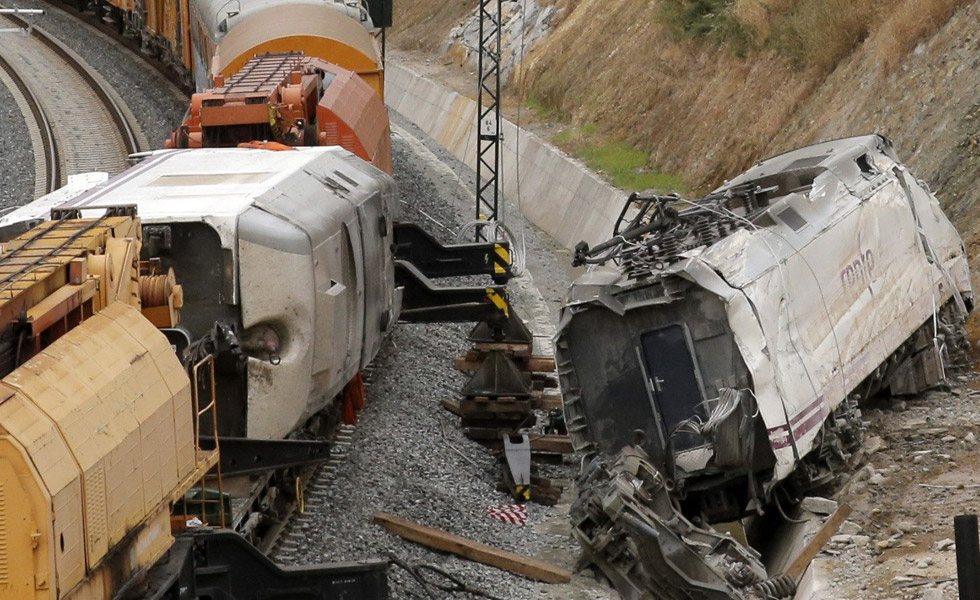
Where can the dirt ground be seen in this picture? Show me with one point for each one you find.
(919, 469)
(921, 472)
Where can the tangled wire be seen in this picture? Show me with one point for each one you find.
(432, 579)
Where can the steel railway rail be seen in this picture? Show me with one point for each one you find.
(73, 104)
(47, 172)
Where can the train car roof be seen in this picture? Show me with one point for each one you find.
(212, 185)
(838, 156)
(213, 12)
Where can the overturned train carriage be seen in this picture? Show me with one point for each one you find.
(284, 262)
(731, 336)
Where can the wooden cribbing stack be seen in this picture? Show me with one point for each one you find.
(485, 415)
(504, 404)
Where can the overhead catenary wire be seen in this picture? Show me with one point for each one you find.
(517, 127)
(496, 231)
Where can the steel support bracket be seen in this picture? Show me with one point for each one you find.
(240, 456)
(517, 459)
(434, 259)
(498, 377)
(425, 302)
(206, 563)
(509, 330)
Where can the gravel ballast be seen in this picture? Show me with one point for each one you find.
(408, 456)
(17, 172)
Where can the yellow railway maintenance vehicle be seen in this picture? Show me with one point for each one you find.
(99, 433)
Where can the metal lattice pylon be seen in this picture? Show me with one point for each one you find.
(488, 164)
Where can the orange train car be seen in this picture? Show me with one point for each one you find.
(241, 54)
(201, 39)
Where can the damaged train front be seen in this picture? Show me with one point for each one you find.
(714, 356)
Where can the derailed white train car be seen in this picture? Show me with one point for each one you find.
(284, 261)
(732, 336)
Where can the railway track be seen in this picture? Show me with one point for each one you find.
(80, 124)
(93, 20)
(47, 172)
(112, 158)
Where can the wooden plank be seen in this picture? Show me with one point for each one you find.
(517, 349)
(559, 444)
(533, 364)
(464, 363)
(475, 551)
(472, 408)
(546, 401)
(452, 406)
(541, 364)
(820, 540)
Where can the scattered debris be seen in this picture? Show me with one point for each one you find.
(629, 527)
(813, 547)
(945, 544)
(850, 528)
(818, 505)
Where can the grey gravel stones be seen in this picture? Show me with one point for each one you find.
(408, 456)
(158, 105)
(16, 156)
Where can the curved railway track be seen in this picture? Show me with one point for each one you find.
(283, 516)
(48, 172)
(81, 126)
(94, 20)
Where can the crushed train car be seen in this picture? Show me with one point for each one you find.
(731, 336)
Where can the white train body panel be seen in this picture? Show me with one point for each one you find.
(295, 240)
(844, 263)
(816, 310)
(212, 20)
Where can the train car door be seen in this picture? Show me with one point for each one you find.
(677, 392)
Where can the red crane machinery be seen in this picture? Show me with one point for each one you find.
(290, 99)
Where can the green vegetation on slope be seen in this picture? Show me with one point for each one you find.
(625, 166)
(705, 86)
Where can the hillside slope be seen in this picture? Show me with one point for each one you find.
(708, 87)
(929, 105)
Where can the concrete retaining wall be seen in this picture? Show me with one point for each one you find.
(557, 194)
